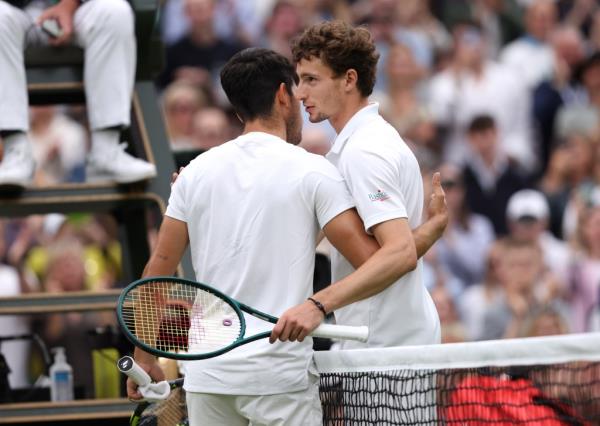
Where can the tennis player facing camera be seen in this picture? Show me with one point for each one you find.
(336, 64)
(251, 210)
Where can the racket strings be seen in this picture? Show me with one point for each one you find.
(169, 412)
(174, 317)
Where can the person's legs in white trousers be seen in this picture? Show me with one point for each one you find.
(105, 29)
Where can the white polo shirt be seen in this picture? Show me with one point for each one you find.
(254, 207)
(385, 181)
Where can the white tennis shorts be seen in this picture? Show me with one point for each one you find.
(302, 408)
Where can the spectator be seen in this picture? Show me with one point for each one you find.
(583, 151)
(70, 330)
(241, 21)
(210, 129)
(556, 185)
(453, 330)
(558, 89)
(528, 217)
(547, 320)
(463, 248)
(472, 86)
(59, 146)
(525, 285)
(479, 298)
(530, 56)
(198, 56)
(500, 21)
(282, 26)
(403, 104)
(414, 19)
(382, 17)
(585, 270)
(181, 101)
(582, 117)
(105, 30)
(490, 178)
(173, 23)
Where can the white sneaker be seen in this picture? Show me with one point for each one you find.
(17, 166)
(115, 165)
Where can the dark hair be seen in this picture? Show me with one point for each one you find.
(481, 123)
(584, 66)
(341, 47)
(251, 79)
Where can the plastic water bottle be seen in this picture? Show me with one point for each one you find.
(61, 377)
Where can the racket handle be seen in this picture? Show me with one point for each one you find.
(345, 332)
(128, 366)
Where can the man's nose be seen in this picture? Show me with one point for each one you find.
(299, 92)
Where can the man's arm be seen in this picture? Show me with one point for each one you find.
(379, 261)
(424, 235)
(172, 242)
(395, 257)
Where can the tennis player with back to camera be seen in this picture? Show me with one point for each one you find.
(251, 210)
(336, 64)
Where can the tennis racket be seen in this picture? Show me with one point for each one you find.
(182, 319)
(171, 411)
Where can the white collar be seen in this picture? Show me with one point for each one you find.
(358, 119)
(258, 137)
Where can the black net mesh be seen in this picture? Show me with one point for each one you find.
(553, 394)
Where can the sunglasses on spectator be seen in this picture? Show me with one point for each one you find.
(449, 184)
(527, 219)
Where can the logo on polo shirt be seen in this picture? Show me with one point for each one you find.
(379, 196)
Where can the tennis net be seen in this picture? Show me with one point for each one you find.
(535, 381)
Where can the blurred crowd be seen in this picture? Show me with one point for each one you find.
(501, 96)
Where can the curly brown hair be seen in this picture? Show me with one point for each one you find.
(341, 47)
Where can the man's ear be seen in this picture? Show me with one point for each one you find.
(282, 96)
(350, 79)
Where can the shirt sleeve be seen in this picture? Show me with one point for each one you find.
(329, 194)
(374, 184)
(176, 207)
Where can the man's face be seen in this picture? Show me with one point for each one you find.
(200, 12)
(520, 268)
(527, 228)
(470, 46)
(483, 142)
(319, 90)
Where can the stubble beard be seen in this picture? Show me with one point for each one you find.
(319, 118)
(294, 130)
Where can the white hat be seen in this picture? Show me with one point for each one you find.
(527, 203)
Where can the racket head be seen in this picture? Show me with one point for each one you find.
(171, 411)
(179, 319)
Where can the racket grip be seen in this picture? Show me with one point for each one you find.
(346, 332)
(128, 366)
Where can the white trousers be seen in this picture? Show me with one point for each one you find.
(301, 408)
(105, 30)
